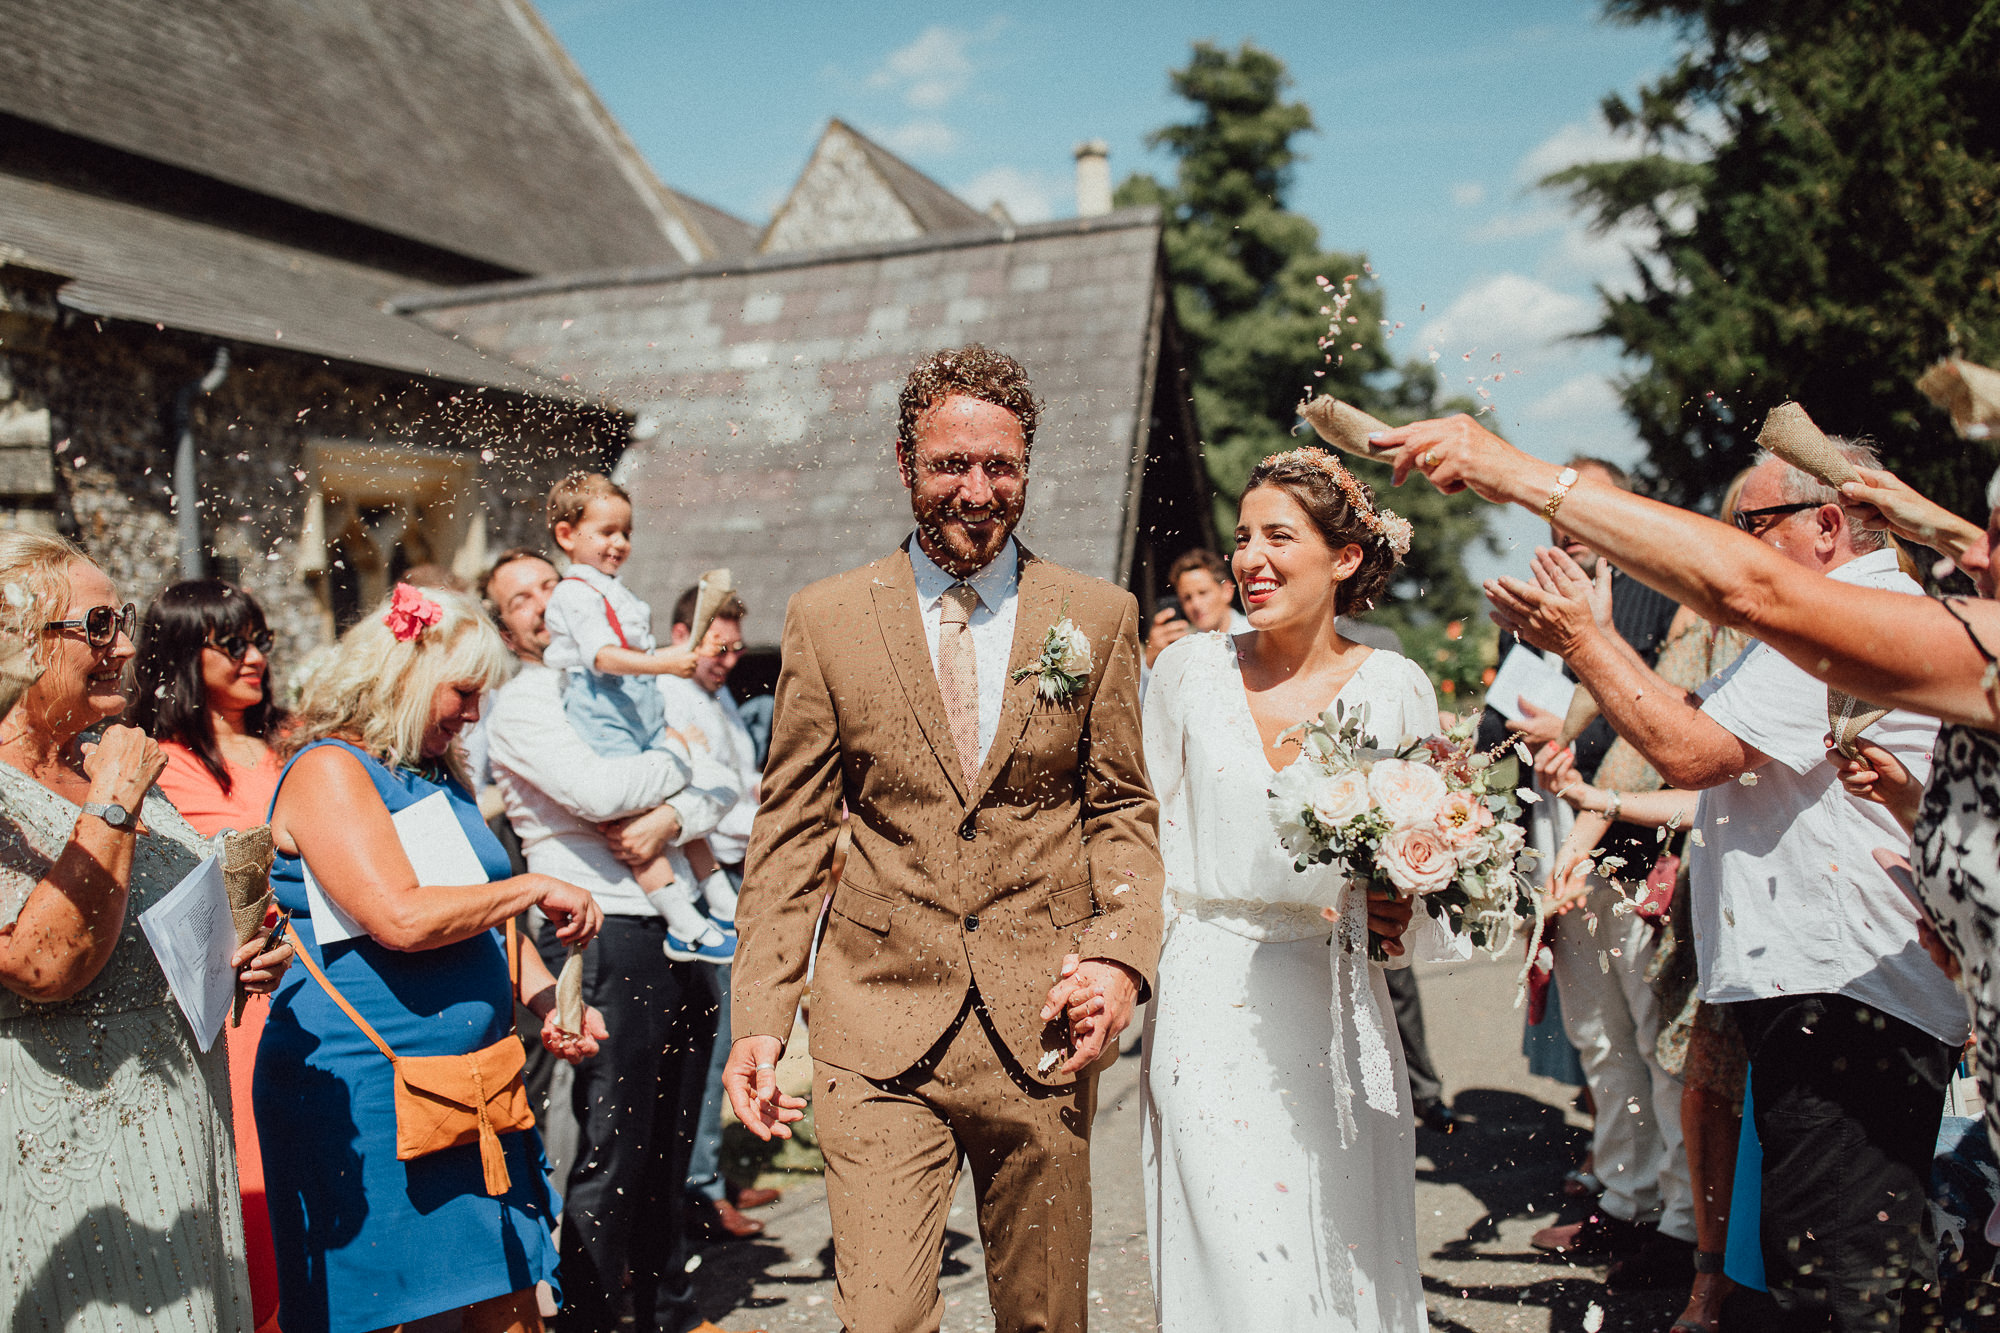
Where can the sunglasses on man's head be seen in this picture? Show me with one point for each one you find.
(101, 624)
(236, 647)
(1754, 521)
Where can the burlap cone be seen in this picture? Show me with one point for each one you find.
(1345, 428)
(1583, 710)
(246, 877)
(1849, 717)
(1790, 434)
(569, 993)
(17, 672)
(715, 589)
(1967, 390)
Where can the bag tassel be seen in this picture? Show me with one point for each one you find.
(491, 1158)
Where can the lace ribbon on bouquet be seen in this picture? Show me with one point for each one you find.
(1350, 975)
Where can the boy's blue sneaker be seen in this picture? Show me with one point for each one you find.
(713, 945)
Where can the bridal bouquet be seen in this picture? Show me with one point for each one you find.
(1433, 819)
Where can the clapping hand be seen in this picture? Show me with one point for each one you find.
(1097, 995)
(1558, 611)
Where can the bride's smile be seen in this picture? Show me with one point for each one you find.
(1287, 570)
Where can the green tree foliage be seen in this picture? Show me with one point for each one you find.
(1246, 276)
(1823, 182)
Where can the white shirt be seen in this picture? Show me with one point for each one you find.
(692, 708)
(991, 624)
(579, 626)
(1787, 898)
(557, 790)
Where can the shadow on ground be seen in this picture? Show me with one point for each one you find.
(1509, 1152)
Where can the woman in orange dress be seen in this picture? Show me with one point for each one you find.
(204, 694)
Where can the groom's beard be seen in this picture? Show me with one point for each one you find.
(962, 547)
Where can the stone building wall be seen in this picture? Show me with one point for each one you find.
(94, 403)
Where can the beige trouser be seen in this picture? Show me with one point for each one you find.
(892, 1157)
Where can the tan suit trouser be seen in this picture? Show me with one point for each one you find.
(892, 1157)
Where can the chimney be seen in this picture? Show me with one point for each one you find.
(1093, 178)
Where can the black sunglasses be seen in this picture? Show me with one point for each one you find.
(1747, 519)
(102, 624)
(236, 647)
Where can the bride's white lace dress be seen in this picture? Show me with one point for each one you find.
(1264, 1211)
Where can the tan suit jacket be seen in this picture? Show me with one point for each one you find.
(1055, 850)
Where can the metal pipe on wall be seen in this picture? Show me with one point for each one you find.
(187, 475)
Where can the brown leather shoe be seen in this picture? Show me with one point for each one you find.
(734, 1224)
(754, 1197)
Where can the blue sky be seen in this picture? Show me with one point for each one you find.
(1434, 122)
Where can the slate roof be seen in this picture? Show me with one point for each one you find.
(459, 123)
(130, 263)
(935, 208)
(728, 236)
(865, 193)
(766, 390)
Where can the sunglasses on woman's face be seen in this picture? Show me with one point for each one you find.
(101, 624)
(236, 647)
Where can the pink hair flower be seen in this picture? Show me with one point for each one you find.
(410, 613)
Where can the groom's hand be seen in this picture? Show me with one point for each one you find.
(751, 1080)
(1097, 994)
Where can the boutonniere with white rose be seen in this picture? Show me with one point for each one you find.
(1063, 665)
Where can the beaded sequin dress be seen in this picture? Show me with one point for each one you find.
(1278, 1139)
(120, 1209)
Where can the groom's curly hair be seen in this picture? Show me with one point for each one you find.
(973, 371)
(1341, 506)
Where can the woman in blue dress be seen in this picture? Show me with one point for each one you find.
(365, 1241)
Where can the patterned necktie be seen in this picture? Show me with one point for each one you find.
(958, 676)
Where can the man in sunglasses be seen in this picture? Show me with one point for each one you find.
(1852, 1030)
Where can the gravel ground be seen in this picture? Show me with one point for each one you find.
(1481, 1192)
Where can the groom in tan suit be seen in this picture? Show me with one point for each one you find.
(1000, 911)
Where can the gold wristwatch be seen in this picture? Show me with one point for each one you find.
(1564, 480)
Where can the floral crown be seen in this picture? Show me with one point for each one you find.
(1392, 528)
(410, 613)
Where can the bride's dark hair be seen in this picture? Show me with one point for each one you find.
(1342, 507)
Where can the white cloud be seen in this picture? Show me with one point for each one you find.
(1580, 397)
(930, 72)
(1468, 193)
(1579, 141)
(1536, 221)
(1510, 313)
(924, 136)
(1029, 196)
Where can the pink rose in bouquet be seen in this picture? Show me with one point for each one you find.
(1406, 791)
(1463, 819)
(1417, 859)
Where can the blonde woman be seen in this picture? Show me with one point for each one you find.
(120, 1209)
(365, 1241)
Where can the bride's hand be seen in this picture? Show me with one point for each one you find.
(1388, 918)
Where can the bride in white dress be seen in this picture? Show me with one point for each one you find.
(1278, 1137)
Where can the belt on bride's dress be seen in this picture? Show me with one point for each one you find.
(1256, 919)
(1353, 993)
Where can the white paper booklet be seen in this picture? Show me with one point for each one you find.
(439, 852)
(1526, 674)
(192, 936)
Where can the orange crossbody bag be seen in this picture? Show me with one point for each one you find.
(443, 1101)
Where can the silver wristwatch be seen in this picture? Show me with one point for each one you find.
(110, 812)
